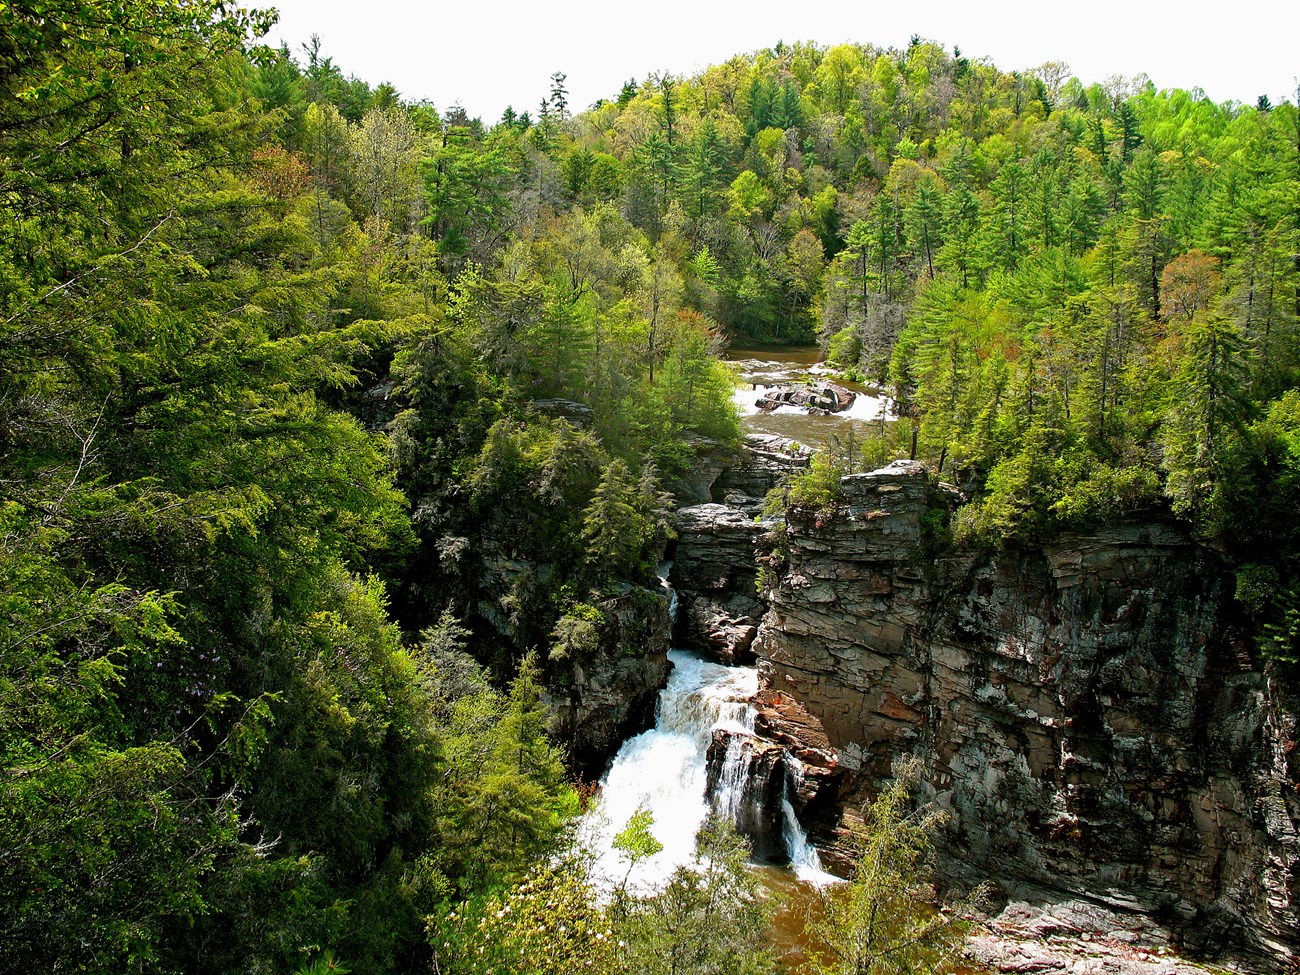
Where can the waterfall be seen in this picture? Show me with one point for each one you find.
(729, 791)
(665, 771)
(804, 860)
(662, 572)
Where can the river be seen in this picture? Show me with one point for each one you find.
(665, 769)
(758, 369)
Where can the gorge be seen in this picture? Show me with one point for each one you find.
(1084, 710)
(342, 434)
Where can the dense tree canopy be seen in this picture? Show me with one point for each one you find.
(286, 361)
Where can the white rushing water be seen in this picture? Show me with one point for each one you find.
(804, 860)
(865, 407)
(665, 771)
(862, 419)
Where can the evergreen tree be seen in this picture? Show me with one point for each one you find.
(877, 924)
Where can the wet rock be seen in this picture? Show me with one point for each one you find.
(746, 777)
(813, 771)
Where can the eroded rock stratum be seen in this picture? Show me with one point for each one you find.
(1085, 710)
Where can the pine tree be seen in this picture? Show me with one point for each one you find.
(879, 923)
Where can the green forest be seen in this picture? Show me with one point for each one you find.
(282, 354)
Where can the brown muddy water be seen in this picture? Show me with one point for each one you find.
(795, 903)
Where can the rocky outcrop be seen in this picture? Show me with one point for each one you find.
(1082, 710)
(607, 693)
(824, 396)
(580, 415)
(766, 461)
(709, 458)
(714, 575)
(1072, 937)
(714, 571)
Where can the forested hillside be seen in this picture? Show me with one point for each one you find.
(279, 350)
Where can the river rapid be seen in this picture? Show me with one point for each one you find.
(760, 369)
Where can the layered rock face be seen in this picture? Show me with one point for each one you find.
(766, 461)
(713, 574)
(812, 769)
(1081, 710)
(714, 571)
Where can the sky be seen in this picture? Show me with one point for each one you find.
(487, 54)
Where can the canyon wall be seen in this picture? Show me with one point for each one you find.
(1081, 709)
(604, 687)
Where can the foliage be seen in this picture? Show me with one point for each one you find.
(275, 344)
(324, 965)
(708, 919)
(549, 924)
(814, 493)
(1030, 495)
(1260, 498)
(624, 525)
(577, 633)
(882, 922)
(636, 842)
(503, 801)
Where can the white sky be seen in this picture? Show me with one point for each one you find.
(487, 54)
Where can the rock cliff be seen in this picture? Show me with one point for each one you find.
(714, 571)
(713, 574)
(765, 461)
(601, 696)
(1095, 728)
(605, 687)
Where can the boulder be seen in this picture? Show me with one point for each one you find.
(821, 395)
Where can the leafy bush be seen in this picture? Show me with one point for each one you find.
(815, 492)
